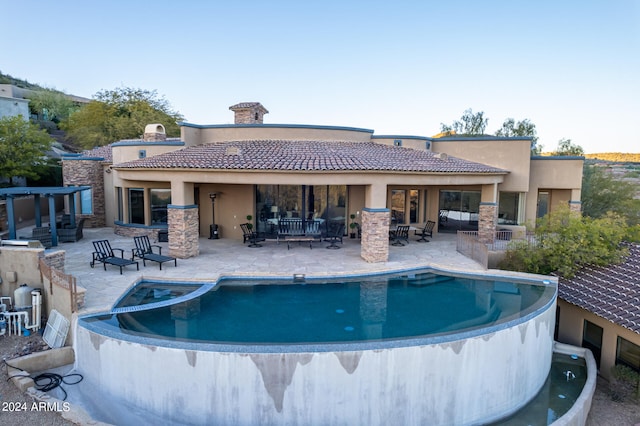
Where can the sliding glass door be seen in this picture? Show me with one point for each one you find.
(459, 210)
(324, 203)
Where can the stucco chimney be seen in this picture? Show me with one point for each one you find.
(154, 133)
(248, 112)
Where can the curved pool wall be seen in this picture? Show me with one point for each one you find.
(460, 378)
(577, 415)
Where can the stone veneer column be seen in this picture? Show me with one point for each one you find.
(575, 206)
(487, 222)
(375, 235)
(184, 231)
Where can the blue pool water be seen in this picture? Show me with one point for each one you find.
(560, 391)
(373, 308)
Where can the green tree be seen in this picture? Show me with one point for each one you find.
(603, 193)
(567, 148)
(51, 105)
(470, 124)
(23, 146)
(120, 114)
(566, 241)
(511, 128)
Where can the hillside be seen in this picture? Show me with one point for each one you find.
(24, 84)
(617, 157)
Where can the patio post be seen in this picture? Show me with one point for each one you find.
(37, 211)
(72, 209)
(11, 218)
(52, 220)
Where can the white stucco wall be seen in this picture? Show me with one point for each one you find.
(462, 382)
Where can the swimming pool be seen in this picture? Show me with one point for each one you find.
(484, 354)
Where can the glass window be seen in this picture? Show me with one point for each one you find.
(160, 199)
(119, 203)
(309, 202)
(414, 203)
(628, 354)
(398, 197)
(543, 204)
(508, 208)
(459, 210)
(136, 205)
(592, 339)
(86, 202)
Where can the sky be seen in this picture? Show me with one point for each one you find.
(396, 67)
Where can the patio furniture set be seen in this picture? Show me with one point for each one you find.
(66, 233)
(297, 231)
(400, 233)
(144, 250)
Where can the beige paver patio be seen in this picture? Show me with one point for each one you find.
(229, 256)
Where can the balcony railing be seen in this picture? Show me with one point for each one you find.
(468, 244)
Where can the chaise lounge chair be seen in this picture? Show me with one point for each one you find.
(104, 253)
(144, 250)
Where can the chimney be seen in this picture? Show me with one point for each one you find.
(154, 133)
(248, 112)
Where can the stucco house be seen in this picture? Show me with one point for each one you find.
(599, 309)
(221, 174)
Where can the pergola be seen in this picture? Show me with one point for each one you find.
(49, 192)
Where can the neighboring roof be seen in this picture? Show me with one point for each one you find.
(102, 152)
(611, 292)
(309, 156)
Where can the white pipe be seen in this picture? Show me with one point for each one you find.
(15, 321)
(4, 299)
(36, 303)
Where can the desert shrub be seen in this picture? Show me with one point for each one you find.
(624, 383)
(565, 241)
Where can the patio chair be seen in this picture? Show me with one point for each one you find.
(250, 235)
(400, 234)
(425, 232)
(71, 235)
(144, 250)
(334, 235)
(42, 234)
(105, 254)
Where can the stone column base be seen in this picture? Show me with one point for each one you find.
(184, 231)
(375, 235)
(575, 206)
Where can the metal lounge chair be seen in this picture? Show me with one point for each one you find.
(250, 235)
(104, 253)
(400, 234)
(425, 232)
(144, 250)
(334, 235)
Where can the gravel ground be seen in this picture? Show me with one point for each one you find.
(16, 408)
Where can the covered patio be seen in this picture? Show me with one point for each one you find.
(38, 192)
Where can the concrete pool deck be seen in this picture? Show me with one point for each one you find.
(229, 256)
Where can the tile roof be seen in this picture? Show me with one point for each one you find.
(244, 105)
(611, 292)
(101, 151)
(309, 156)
